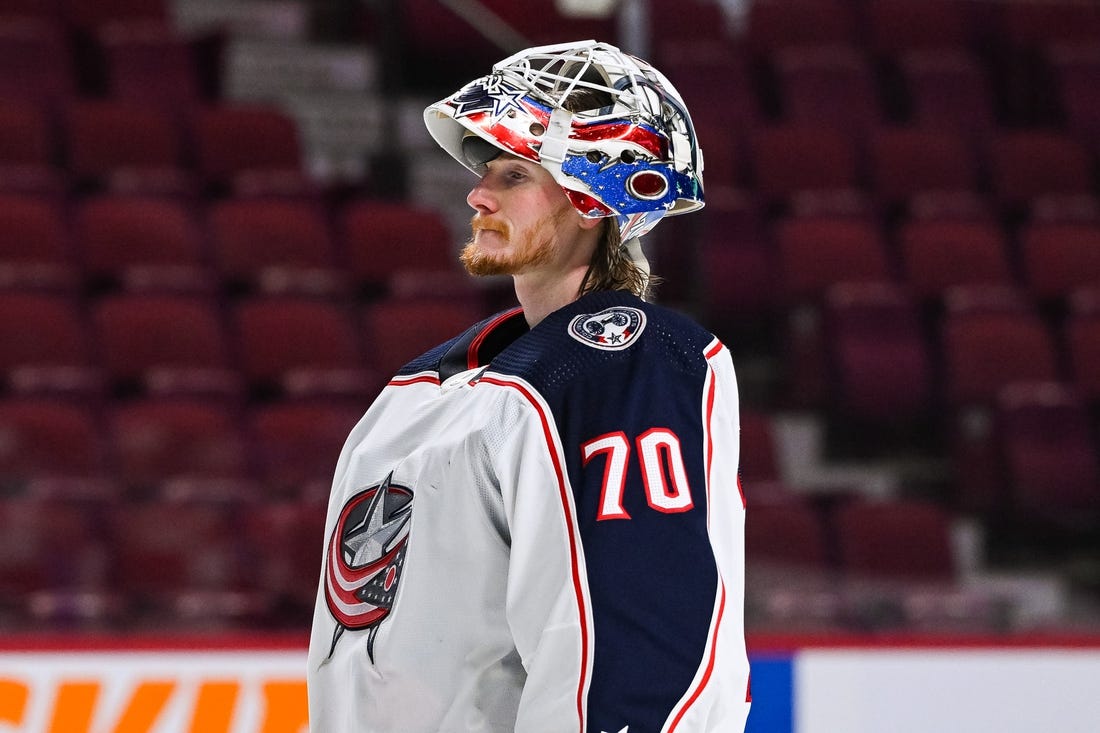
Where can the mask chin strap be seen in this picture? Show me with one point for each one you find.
(633, 249)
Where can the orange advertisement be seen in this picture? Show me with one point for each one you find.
(151, 691)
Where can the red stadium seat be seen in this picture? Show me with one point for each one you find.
(35, 247)
(787, 159)
(152, 65)
(52, 449)
(92, 14)
(880, 358)
(178, 449)
(1082, 341)
(907, 161)
(901, 539)
(991, 337)
(1050, 452)
(297, 443)
(276, 246)
(36, 64)
(28, 150)
(392, 339)
(1025, 165)
(938, 254)
(1076, 72)
(774, 24)
(141, 244)
(181, 565)
(900, 25)
(947, 89)
(737, 262)
(790, 534)
(165, 344)
(831, 85)
(128, 147)
(816, 252)
(385, 239)
(48, 545)
(252, 149)
(287, 541)
(303, 347)
(44, 347)
(1035, 25)
(1060, 257)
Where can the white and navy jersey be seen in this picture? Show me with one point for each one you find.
(540, 531)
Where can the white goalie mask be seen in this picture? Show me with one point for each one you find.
(633, 155)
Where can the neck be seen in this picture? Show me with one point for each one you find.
(541, 296)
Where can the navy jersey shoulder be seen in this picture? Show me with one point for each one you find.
(602, 333)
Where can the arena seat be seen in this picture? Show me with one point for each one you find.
(1050, 452)
(29, 153)
(816, 252)
(275, 245)
(250, 149)
(298, 346)
(948, 88)
(992, 336)
(165, 344)
(938, 254)
(788, 158)
(36, 62)
(296, 444)
(36, 251)
(124, 146)
(386, 238)
(53, 449)
(829, 85)
(898, 539)
(907, 161)
(45, 347)
(1027, 164)
(141, 244)
(880, 358)
(176, 449)
(1060, 257)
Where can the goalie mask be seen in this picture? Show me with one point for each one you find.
(609, 127)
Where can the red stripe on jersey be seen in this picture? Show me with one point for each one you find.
(571, 522)
(414, 379)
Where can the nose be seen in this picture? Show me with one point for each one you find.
(481, 198)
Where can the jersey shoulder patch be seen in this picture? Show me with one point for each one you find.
(611, 329)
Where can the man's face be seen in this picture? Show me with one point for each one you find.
(523, 220)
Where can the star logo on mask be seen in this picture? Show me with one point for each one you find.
(491, 94)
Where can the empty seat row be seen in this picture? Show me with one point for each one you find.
(131, 146)
(172, 449)
(870, 353)
(892, 164)
(189, 344)
(750, 265)
(142, 565)
(262, 244)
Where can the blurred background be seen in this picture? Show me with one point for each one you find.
(223, 226)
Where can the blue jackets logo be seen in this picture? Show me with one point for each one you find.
(612, 329)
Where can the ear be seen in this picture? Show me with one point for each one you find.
(587, 222)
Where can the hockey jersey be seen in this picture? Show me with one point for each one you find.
(540, 530)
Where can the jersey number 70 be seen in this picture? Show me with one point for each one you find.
(663, 471)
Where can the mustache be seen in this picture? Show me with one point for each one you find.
(479, 223)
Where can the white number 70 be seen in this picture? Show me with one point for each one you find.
(663, 472)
